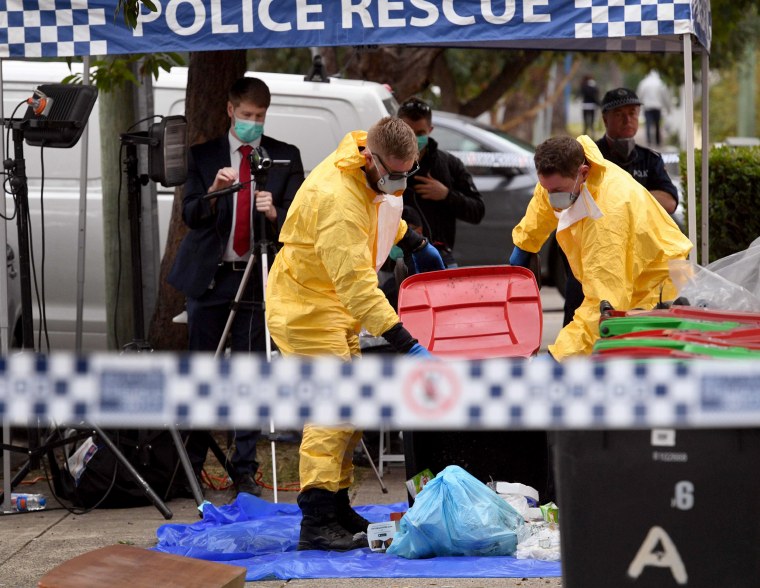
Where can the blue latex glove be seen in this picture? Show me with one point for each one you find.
(418, 350)
(427, 259)
(520, 257)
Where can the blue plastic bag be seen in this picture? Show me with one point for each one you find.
(456, 514)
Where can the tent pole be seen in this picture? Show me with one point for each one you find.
(705, 253)
(4, 331)
(688, 126)
(82, 232)
(6, 425)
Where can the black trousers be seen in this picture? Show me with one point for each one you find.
(207, 316)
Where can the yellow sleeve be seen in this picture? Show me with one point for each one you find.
(607, 265)
(537, 224)
(402, 228)
(341, 242)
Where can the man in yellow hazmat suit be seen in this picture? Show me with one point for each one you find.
(323, 288)
(617, 238)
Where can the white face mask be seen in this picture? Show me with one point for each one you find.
(394, 183)
(391, 187)
(585, 206)
(564, 200)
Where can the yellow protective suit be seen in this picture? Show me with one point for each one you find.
(621, 257)
(323, 287)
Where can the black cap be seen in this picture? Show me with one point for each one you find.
(619, 97)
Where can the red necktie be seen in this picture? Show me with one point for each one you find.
(242, 241)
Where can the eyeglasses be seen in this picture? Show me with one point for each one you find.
(397, 175)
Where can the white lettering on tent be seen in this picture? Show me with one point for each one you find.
(348, 8)
(171, 17)
(453, 17)
(144, 17)
(247, 16)
(659, 551)
(530, 16)
(487, 9)
(303, 10)
(216, 20)
(268, 21)
(384, 8)
(431, 10)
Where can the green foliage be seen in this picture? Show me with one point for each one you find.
(110, 74)
(724, 90)
(734, 198)
(131, 9)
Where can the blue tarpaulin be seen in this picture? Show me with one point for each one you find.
(262, 537)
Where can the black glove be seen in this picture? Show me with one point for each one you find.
(400, 339)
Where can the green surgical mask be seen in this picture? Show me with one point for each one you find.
(248, 130)
(422, 141)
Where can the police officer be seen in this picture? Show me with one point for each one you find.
(620, 113)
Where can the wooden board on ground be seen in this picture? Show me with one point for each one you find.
(118, 566)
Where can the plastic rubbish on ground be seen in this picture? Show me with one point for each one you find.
(541, 543)
(457, 515)
(27, 502)
(521, 497)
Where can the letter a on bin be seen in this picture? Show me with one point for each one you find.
(658, 550)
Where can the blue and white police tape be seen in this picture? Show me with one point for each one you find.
(155, 389)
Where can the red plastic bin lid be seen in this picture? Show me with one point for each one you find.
(474, 312)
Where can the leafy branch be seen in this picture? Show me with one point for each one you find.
(110, 74)
(131, 9)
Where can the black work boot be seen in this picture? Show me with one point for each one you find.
(348, 518)
(320, 528)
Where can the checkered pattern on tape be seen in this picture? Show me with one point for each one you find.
(156, 389)
(632, 18)
(50, 28)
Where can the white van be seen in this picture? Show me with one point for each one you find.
(311, 115)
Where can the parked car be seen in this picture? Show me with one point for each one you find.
(503, 171)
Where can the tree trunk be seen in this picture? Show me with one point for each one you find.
(116, 115)
(210, 74)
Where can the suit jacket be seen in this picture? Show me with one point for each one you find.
(202, 248)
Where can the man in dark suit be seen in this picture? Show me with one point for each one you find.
(213, 256)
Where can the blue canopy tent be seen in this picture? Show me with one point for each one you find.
(58, 28)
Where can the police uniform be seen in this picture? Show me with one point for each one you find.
(645, 165)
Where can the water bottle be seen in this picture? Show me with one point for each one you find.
(27, 502)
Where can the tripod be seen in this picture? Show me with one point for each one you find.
(259, 163)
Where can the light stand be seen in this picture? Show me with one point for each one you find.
(167, 161)
(56, 117)
(20, 189)
(167, 148)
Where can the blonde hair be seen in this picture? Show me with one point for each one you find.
(392, 137)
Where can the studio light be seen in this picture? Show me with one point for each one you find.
(167, 151)
(57, 114)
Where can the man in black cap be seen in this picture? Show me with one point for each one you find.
(620, 113)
